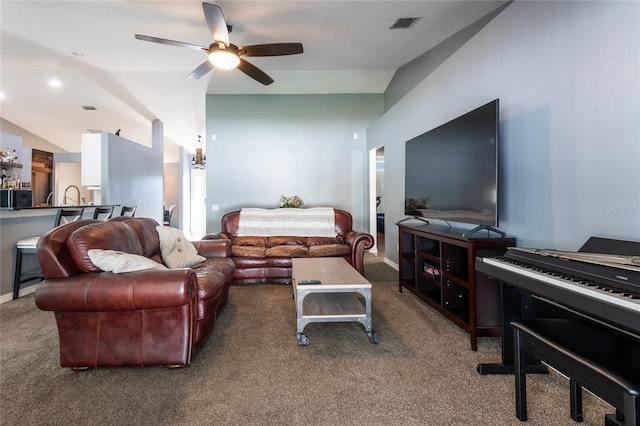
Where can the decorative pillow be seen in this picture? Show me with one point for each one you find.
(119, 261)
(177, 251)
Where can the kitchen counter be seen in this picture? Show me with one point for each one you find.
(16, 225)
(45, 211)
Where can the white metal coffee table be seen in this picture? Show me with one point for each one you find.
(342, 294)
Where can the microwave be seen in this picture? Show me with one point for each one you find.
(15, 199)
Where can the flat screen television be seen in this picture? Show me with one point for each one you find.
(451, 171)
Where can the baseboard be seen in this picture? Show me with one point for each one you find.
(392, 264)
(23, 292)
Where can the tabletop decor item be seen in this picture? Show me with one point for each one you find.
(290, 202)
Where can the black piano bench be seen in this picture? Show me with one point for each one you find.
(600, 359)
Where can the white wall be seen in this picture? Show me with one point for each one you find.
(29, 140)
(567, 75)
(184, 191)
(171, 183)
(272, 145)
(67, 174)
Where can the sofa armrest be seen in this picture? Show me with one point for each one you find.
(213, 247)
(218, 236)
(106, 291)
(359, 243)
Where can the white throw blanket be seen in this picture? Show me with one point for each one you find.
(312, 222)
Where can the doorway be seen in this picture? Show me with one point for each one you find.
(41, 173)
(377, 199)
(198, 219)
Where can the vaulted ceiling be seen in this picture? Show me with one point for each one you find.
(90, 48)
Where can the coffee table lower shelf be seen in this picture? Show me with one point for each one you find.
(330, 305)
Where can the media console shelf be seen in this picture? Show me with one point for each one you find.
(437, 264)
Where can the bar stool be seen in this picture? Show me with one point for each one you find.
(168, 215)
(30, 246)
(103, 213)
(128, 211)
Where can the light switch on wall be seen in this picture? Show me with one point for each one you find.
(215, 207)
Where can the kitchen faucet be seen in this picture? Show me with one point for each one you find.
(64, 198)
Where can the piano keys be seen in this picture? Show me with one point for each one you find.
(603, 286)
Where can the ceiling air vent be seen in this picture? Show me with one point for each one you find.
(88, 107)
(403, 23)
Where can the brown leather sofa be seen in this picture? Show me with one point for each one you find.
(268, 259)
(149, 317)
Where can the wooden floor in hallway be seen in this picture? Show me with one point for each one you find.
(380, 244)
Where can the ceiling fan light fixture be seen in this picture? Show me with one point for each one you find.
(224, 59)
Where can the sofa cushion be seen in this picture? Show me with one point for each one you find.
(101, 235)
(177, 251)
(249, 241)
(251, 262)
(212, 275)
(247, 251)
(224, 265)
(289, 250)
(283, 241)
(118, 261)
(316, 241)
(279, 262)
(328, 250)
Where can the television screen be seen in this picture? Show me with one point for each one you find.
(451, 172)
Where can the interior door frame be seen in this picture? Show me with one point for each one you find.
(373, 210)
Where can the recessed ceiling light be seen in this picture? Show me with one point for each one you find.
(55, 83)
(77, 53)
(2, 95)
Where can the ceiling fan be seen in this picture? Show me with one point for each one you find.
(223, 54)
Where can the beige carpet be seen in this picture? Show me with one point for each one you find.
(252, 372)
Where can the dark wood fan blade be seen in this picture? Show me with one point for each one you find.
(254, 72)
(204, 68)
(170, 42)
(216, 22)
(273, 49)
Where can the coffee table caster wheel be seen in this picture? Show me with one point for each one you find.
(373, 337)
(303, 340)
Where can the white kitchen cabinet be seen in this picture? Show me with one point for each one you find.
(91, 159)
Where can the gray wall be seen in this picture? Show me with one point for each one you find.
(567, 75)
(134, 176)
(272, 145)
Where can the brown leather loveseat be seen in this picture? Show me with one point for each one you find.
(145, 317)
(261, 259)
